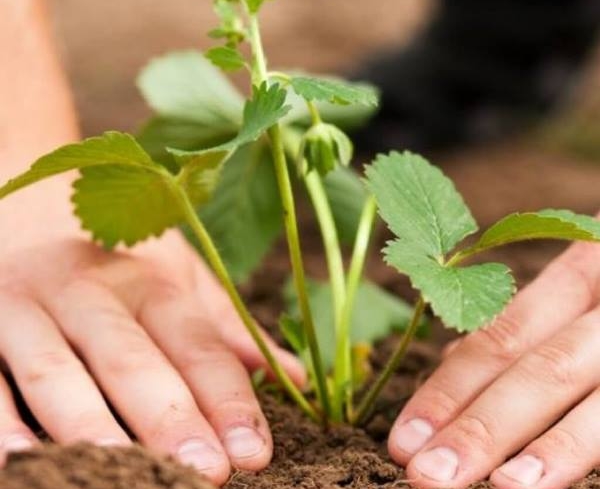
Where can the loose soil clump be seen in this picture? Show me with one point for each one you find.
(84, 466)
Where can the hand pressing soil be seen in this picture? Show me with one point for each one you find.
(84, 466)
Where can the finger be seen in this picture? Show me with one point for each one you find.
(219, 381)
(516, 408)
(15, 436)
(140, 382)
(451, 347)
(215, 302)
(564, 454)
(54, 383)
(561, 293)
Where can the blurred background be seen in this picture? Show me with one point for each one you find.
(553, 162)
(105, 43)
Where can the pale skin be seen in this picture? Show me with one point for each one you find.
(151, 330)
(148, 330)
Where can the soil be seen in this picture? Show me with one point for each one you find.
(83, 466)
(305, 457)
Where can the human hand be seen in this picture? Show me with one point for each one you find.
(149, 329)
(527, 384)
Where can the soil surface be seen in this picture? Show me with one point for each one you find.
(305, 456)
(86, 467)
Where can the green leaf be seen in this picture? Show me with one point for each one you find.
(124, 203)
(376, 314)
(346, 117)
(160, 133)
(293, 333)
(335, 91)
(419, 203)
(263, 111)
(112, 148)
(200, 179)
(347, 196)
(186, 86)
(244, 215)
(254, 5)
(226, 58)
(545, 224)
(464, 298)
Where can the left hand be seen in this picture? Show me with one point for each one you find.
(529, 385)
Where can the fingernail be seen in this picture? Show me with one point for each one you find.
(526, 470)
(439, 464)
(200, 455)
(17, 443)
(412, 435)
(243, 442)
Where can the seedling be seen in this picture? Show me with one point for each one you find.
(223, 169)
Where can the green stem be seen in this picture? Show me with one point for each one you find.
(213, 257)
(314, 113)
(368, 400)
(343, 356)
(333, 252)
(291, 228)
(260, 75)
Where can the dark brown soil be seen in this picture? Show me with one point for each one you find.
(86, 467)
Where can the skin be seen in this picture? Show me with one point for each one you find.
(525, 389)
(148, 330)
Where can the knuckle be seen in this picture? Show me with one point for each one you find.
(501, 339)
(477, 429)
(164, 289)
(136, 353)
(177, 417)
(440, 403)
(209, 353)
(566, 443)
(554, 364)
(574, 267)
(49, 364)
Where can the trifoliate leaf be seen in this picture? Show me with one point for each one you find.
(419, 203)
(335, 91)
(545, 224)
(112, 148)
(464, 298)
(244, 215)
(376, 314)
(226, 58)
(347, 195)
(264, 110)
(186, 86)
(124, 203)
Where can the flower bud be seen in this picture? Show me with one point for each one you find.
(323, 148)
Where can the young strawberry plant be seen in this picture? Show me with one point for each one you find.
(230, 172)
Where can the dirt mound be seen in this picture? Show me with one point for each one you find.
(84, 466)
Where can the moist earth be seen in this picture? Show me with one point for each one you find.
(84, 466)
(305, 456)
